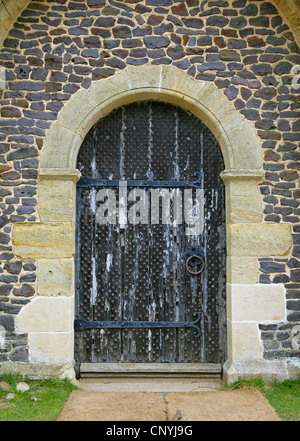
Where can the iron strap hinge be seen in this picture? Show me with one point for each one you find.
(82, 325)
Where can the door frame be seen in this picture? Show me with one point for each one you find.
(51, 241)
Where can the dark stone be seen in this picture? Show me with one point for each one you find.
(96, 3)
(102, 32)
(26, 290)
(7, 321)
(204, 41)
(264, 278)
(289, 176)
(78, 31)
(53, 61)
(276, 41)
(261, 69)
(256, 41)
(267, 93)
(175, 52)
(4, 238)
(293, 294)
(159, 2)
(249, 10)
(272, 267)
(296, 127)
(20, 354)
(180, 10)
(92, 42)
(281, 278)
(140, 61)
(132, 42)
(220, 21)
(260, 22)
(8, 279)
(156, 42)
(26, 210)
(283, 68)
(22, 152)
(27, 85)
(28, 278)
(238, 22)
(9, 309)
(15, 218)
(25, 191)
(174, 20)
(229, 55)
(115, 63)
(93, 53)
(11, 43)
(140, 32)
(294, 317)
(122, 32)
(102, 73)
(3, 219)
(29, 267)
(239, 3)
(166, 27)
(10, 112)
(105, 22)
(155, 20)
(13, 267)
(5, 290)
(22, 71)
(219, 66)
(231, 92)
(272, 218)
(196, 23)
(138, 53)
(39, 74)
(268, 9)
(251, 114)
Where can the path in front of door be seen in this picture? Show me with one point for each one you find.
(166, 400)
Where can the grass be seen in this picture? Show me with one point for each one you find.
(42, 402)
(283, 396)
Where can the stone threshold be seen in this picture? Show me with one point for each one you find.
(151, 370)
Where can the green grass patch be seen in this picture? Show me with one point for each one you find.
(283, 396)
(43, 401)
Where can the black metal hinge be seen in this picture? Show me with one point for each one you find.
(81, 325)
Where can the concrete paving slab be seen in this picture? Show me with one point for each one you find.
(246, 404)
(113, 406)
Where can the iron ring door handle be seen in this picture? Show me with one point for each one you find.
(201, 261)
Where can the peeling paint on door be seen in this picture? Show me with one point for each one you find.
(134, 270)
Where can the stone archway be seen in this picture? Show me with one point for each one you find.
(48, 319)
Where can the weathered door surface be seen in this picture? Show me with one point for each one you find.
(150, 257)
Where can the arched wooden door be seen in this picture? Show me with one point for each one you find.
(150, 253)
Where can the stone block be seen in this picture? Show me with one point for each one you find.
(259, 239)
(56, 200)
(37, 240)
(47, 314)
(243, 199)
(51, 348)
(244, 341)
(55, 277)
(242, 269)
(259, 303)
